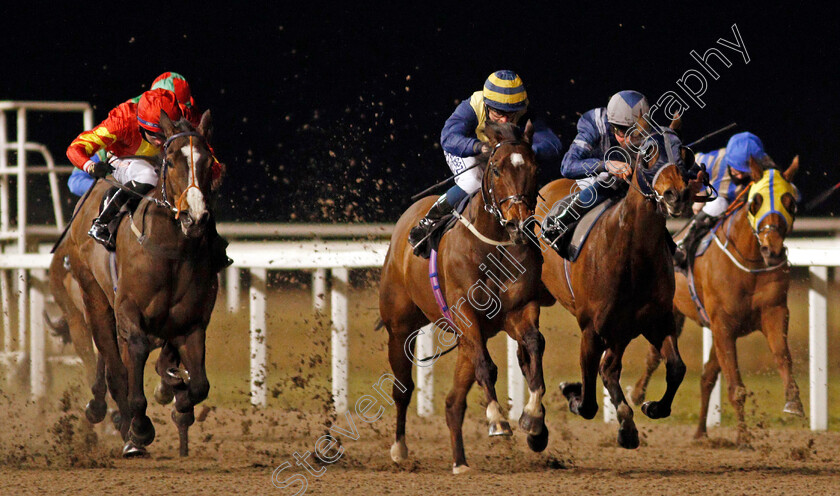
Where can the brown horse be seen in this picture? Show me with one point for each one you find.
(622, 284)
(165, 288)
(472, 268)
(743, 287)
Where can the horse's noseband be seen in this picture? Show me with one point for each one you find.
(492, 205)
(182, 197)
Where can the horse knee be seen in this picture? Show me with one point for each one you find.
(676, 372)
(737, 395)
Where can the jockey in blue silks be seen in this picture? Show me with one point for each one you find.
(502, 100)
(729, 173)
(595, 158)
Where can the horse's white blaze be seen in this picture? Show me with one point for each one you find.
(494, 413)
(516, 159)
(195, 199)
(534, 401)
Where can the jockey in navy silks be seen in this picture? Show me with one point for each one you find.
(502, 100)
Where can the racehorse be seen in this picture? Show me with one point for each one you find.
(473, 260)
(622, 283)
(742, 281)
(158, 289)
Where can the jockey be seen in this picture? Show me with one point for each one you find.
(729, 172)
(502, 100)
(595, 158)
(80, 181)
(130, 130)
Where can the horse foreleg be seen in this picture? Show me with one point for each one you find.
(456, 405)
(167, 360)
(628, 435)
(97, 408)
(101, 318)
(582, 396)
(707, 383)
(522, 326)
(191, 350)
(401, 365)
(136, 351)
(774, 325)
(727, 355)
(654, 358)
(637, 392)
(486, 374)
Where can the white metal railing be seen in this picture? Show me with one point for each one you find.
(333, 260)
(18, 233)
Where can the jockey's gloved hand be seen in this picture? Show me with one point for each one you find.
(98, 169)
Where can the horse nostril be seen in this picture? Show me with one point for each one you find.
(203, 218)
(765, 251)
(670, 195)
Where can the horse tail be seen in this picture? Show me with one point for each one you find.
(60, 328)
(379, 324)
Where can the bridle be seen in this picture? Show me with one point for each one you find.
(488, 195)
(178, 207)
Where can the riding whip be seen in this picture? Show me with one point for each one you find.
(713, 133)
(821, 197)
(441, 183)
(78, 208)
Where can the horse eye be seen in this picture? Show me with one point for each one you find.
(496, 171)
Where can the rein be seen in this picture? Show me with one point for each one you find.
(491, 205)
(728, 220)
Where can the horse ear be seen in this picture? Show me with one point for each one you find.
(491, 130)
(529, 132)
(792, 169)
(205, 127)
(676, 122)
(166, 124)
(755, 170)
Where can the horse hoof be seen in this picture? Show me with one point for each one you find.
(532, 425)
(538, 442)
(794, 408)
(655, 410)
(142, 436)
(131, 450)
(628, 437)
(500, 428)
(460, 469)
(633, 398)
(399, 452)
(95, 411)
(164, 394)
(571, 389)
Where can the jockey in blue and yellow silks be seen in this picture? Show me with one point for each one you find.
(502, 100)
(729, 173)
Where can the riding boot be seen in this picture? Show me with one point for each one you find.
(423, 229)
(565, 214)
(218, 248)
(698, 228)
(99, 230)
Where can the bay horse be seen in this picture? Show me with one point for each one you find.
(163, 293)
(742, 281)
(622, 283)
(471, 260)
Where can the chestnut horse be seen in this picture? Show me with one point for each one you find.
(742, 281)
(471, 260)
(622, 283)
(164, 291)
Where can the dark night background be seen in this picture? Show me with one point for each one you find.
(333, 113)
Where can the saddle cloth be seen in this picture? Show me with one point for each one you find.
(571, 242)
(442, 227)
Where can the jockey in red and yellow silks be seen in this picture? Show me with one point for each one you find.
(130, 133)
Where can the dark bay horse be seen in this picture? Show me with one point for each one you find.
(742, 281)
(622, 284)
(164, 291)
(473, 272)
